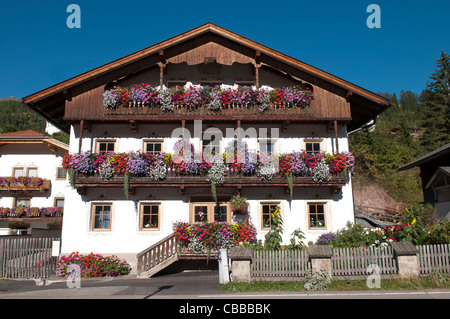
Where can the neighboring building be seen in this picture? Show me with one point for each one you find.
(32, 183)
(435, 175)
(102, 218)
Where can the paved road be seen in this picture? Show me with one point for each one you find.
(186, 285)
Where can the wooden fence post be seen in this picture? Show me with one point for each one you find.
(407, 259)
(320, 256)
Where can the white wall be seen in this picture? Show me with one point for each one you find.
(33, 156)
(126, 239)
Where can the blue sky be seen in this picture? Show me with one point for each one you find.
(39, 50)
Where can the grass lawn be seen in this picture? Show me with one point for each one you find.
(432, 282)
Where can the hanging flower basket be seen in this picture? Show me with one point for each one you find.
(239, 205)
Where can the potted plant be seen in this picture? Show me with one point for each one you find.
(239, 204)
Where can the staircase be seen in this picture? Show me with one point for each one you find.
(157, 257)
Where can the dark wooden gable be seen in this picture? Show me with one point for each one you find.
(81, 97)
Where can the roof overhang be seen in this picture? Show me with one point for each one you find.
(50, 142)
(427, 157)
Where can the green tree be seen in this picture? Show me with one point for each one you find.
(435, 103)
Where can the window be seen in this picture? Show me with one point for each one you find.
(101, 216)
(18, 172)
(211, 144)
(22, 201)
(173, 84)
(106, 146)
(32, 172)
(59, 202)
(267, 209)
(316, 214)
(153, 147)
(312, 147)
(209, 212)
(267, 147)
(150, 216)
(61, 173)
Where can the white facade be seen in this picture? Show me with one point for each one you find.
(126, 238)
(37, 159)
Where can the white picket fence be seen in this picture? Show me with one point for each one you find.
(363, 261)
(434, 258)
(279, 264)
(347, 262)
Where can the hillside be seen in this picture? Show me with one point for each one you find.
(16, 116)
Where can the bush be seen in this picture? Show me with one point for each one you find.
(317, 280)
(92, 265)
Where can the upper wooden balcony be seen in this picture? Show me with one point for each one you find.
(83, 182)
(231, 112)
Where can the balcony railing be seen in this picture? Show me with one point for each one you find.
(31, 212)
(24, 184)
(175, 180)
(229, 112)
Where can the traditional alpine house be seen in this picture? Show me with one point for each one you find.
(271, 128)
(32, 184)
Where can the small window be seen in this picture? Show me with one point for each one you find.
(22, 201)
(153, 147)
(207, 84)
(267, 210)
(101, 218)
(32, 172)
(59, 202)
(18, 172)
(312, 147)
(316, 213)
(61, 173)
(242, 84)
(211, 144)
(106, 146)
(174, 84)
(150, 216)
(266, 146)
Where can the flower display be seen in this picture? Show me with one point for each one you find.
(239, 204)
(215, 235)
(22, 211)
(20, 181)
(215, 168)
(214, 98)
(92, 265)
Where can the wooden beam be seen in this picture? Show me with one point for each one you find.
(330, 126)
(80, 139)
(336, 136)
(134, 126)
(285, 126)
(86, 126)
(349, 96)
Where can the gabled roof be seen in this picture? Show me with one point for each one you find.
(370, 104)
(440, 178)
(30, 136)
(444, 150)
(25, 134)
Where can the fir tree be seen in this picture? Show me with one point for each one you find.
(435, 102)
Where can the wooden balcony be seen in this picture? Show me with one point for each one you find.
(82, 182)
(17, 187)
(31, 214)
(231, 112)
